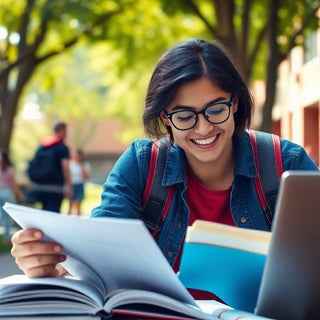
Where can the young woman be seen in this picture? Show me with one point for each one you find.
(196, 97)
(9, 192)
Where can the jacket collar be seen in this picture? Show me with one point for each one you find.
(244, 158)
(175, 166)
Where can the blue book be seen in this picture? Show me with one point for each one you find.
(226, 261)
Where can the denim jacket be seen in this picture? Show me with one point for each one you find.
(123, 190)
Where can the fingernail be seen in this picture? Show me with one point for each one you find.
(37, 235)
(57, 248)
(62, 258)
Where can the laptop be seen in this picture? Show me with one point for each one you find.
(290, 287)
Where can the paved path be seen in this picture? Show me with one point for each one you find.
(8, 266)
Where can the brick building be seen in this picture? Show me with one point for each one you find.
(298, 102)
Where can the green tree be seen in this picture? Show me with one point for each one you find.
(259, 34)
(34, 31)
(73, 87)
(93, 81)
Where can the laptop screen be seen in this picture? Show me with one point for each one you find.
(290, 287)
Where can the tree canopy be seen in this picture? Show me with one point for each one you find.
(259, 34)
(34, 31)
(117, 42)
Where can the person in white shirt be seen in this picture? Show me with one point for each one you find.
(80, 173)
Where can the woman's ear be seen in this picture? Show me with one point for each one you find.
(164, 119)
(235, 101)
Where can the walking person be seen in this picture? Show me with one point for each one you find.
(49, 170)
(196, 99)
(9, 192)
(80, 173)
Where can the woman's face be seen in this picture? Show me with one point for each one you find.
(206, 142)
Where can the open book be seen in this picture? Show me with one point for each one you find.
(115, 265)
(225, 260)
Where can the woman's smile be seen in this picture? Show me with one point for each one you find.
(205, 142)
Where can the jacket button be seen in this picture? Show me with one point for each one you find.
(169, 254)
(179, 225)
(243, 220)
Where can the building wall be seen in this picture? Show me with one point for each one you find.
(104, 149)
(299, 99)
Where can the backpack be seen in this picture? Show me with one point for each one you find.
(157, 198)
(43, 167)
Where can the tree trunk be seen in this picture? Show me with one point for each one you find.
(273, 62)
(6, 122)
(10, 97)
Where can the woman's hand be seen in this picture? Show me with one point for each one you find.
(36, 258)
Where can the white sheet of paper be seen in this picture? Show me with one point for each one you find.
(121, 252)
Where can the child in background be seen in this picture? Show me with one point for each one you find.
(80, 173)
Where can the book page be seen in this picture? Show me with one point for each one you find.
(138, 301)
(206, 232)
(121, 252)
(23, 285)
(48, 295)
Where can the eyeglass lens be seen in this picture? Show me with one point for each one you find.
(187, 119)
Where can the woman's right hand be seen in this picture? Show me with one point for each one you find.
(36, 258)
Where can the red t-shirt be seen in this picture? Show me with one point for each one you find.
(206, 204)
(209, 205)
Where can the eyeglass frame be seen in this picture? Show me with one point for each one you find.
(202, 111)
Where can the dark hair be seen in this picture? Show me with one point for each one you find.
(59, 126)
(186, 62)
(80, 153)
(5, 163)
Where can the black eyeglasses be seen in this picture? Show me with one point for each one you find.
(215, 113)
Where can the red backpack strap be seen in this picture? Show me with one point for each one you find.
(165, 209)
(156, 198)
(151, 173)
(268, 163)
(277, 154)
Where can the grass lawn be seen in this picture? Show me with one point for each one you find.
(92, 199)
(4, 247)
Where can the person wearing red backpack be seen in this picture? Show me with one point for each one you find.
(49, 171)
(198, 101)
